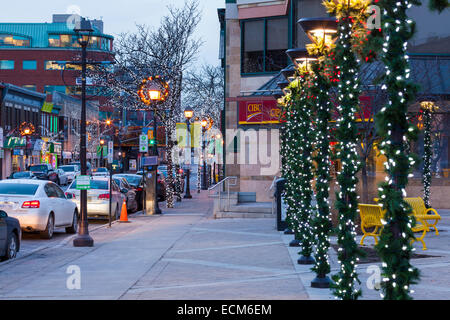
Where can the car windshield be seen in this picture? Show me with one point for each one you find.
(95, 184)
(23, 174)
(16, 188)
(133, 180)
(68, 168)
(38, 168)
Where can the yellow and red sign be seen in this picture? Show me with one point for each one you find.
(259, 112)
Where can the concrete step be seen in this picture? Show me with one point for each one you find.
(252, 215)
(224, 195)
(244, 197)
(253, 207)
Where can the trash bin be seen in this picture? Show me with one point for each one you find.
(281, 206)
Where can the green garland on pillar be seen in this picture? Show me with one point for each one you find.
(350, 15)
(322, 220)
(427, 109)
(287, 150)
(304, 169)
(395, 131)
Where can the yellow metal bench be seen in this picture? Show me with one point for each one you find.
(371, 215)
(420, 212)
(423, 214)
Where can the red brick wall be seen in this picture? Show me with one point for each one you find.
(41, 77)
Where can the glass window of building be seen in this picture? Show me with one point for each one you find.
(277, 44)
(9, 40)
(253, 46)
(29, 64)
(51, 89)
(53, 40)
(6, 64)
(264, 45)
(60, 65)
(53, 65)
(305, 9)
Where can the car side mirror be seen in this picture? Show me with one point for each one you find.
(3, 214)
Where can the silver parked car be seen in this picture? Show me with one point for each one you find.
(71, 171)
(98, 198)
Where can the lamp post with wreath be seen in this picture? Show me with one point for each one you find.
(26, 130)
(153, 91)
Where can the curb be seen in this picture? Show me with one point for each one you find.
(54, 245)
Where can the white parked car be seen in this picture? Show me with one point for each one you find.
(98, 198)
(71, 171)
(62, 176)
(39, 205)
(100, 172)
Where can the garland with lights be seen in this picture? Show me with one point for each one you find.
(298, 148)
(427, 108)
(305, 172)
(351, 15)
(289, 138)
(322, 220)
(393, 127)
(427, 154)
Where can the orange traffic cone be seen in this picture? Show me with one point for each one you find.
(123, 213)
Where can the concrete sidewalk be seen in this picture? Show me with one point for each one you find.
(182, 254)
(186, 254)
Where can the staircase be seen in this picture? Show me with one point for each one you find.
(229, 204)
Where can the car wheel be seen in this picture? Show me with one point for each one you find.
(12, 247)
(48, 232)
(74, 227)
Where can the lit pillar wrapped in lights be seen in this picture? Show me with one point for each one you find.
(322, 32)
(395, 131)
(284, 101)
(301, 153)
(428, 107)
(351, 15)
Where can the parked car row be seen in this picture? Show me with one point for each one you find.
(33, 201)
(62, 176)
(35, 205)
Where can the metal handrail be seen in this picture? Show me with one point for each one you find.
(222, 184)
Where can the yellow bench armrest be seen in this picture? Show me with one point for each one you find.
(433, 211)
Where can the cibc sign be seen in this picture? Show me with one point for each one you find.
(259, 111)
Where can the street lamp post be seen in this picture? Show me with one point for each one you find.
(153, 91)
(26, 130)
(204, 124)
(188, 113)
(102, 142)
(84, 32)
